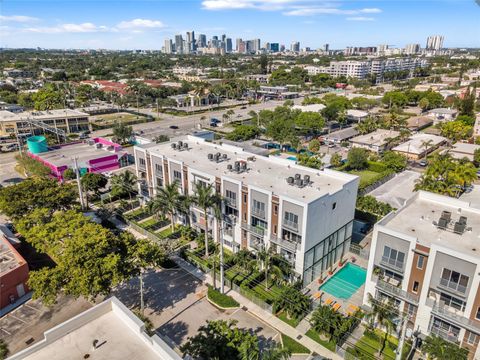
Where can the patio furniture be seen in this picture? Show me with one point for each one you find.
(329, 301)
(352, 309)
(317, 295)
(336, 307)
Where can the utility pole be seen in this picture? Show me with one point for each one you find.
(19, 144)
(142, 305)
(401, 341)
(222, 289)
(80, 191)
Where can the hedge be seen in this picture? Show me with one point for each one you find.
(222, 300)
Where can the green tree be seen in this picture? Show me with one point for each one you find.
(93, 182)
(394, 161)
(467, 104)
(309, 122)
(122, 132)
(314, 161)
(20, 199)
(476, 157)
(336, 160)
(456, 130)
(440, 349)
(395, 98)
(243, 133)
(123, 184)
(3, 349)
(324, 320)
(292, 302)
(69, 174)
(48, 98)
(206, 199)
(32, 167)
(265, 262)
(466, 119)
(424, 104)
(166, 202)
(314, 145)
(357, 159)
(161, 139)
(382, 314)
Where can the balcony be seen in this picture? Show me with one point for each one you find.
(253, 229)
(255, 243)
(228, 232)
(259, 213)
(290, 224)
(452, 315)
(452, 286)
(392, 264)
(396, 291)
(444, 334)
(230, 202)
(286, 244)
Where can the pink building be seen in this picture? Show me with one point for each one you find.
(96, 155)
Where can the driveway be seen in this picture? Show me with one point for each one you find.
(398, 189)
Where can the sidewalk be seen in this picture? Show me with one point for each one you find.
(263, 315)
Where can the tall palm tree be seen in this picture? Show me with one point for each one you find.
(426, 144)
(465, 173)
(265, 263)
(324, 320)
(206, 199)
(382, 314)
(167, 202)
(123, 184)
(276, 353)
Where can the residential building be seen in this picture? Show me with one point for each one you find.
(295, 46)
(419, 145)
(442, 114)
(305, 215)
(377, 141)
(168, 46)
(18, 73)
(337, 137)
(434, 42)
(356, 115)
(416, 123)
(33, 122)
(13, 269)
(179, 44)
(95, 155)
(108, 330)
(412, 49)
(424, 257)
(461, 150)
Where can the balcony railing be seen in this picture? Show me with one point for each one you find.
(453, 286)
(392, 263)
(444, 334)
(231, 202)
(255, 243)
(454, 316)
(258, 213)
(253, 229)
(228, 232)
(290, 224)
(396, 292)
(286, 244)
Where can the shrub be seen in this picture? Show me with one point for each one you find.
(222, 300)
(357, 159)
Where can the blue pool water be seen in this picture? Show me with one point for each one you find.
(292, 158)
(344, 283)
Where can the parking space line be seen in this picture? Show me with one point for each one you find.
(5, 331)
(13, 316)
(33, 308)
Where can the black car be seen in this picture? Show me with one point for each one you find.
(173, 127)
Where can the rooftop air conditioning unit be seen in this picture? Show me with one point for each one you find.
(306, 178)
(290, 180)
(98, 145)
(299, 182)
(230, 167)
(210, 156)
(297, 176)
(174, 146)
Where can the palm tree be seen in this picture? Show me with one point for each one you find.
(206, 199)
(276, 353)
(324, 320)
(123, 184)
(167, 202)
(382, 314)
(184, 203)
(225, 117)
(200, 89)
(437, 348)
(465, 173)
(265, 263)
(426, 144)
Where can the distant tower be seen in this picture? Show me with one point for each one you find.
(434, 42)
(179, 44)
(168, 46)
(295, 46)
(228, 45)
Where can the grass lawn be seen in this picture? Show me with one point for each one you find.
(222, 300)
(292, 322)
(326, 344)
(294, 346)
(120, 117)
(167, 232)
(140, 213)
(270, 295)
(367, 177)
(147, 223)
(368, 345)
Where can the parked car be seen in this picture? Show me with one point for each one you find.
(423, 163)
(243, 107)
(173, 127)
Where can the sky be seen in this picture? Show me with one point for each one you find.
(127, 24)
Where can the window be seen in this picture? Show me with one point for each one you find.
(334, 205)
(472, 338)
(159, 181)
(452, 301)
(141, 161)
(454, 280)
(275, 209)
(158, 169)
(177, 175)
(258, 208)
(478, 314)
(275, 229)
(415, 287)
(231, 195)
(411, 309)
(291, 219)
(420, 261)
(393, 257)
(244, 198)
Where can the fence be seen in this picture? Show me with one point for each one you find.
(376, 184)
(251, 297)
(358, 250)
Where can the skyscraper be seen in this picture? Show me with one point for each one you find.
(412, 49)
(256, 45)
(228, 45)
(274, 47)
(238, 41)
(168, 46)
(434, 42)
(191, 41)
(179, 44)
(295, 46)
(326, 47)
(202, 40)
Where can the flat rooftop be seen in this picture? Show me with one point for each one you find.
(268, 173)
(416, 218)
(117, 332)
(41, 115)
(415, 145)
(9, 258)
(84, 152)
(378, 137)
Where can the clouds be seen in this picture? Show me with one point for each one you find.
(141, 24)
(18, 18)
(67, 28)
(292, 7)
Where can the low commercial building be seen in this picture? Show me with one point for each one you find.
(419, 145)
(276, 92)
(33, 122)
(309, 108)
(442, 114)
(260, 78)
(377, 141)
(462, 150)
(96, 155)
(356, 115)
(13, 270)
(305, 215)
(416, 123)
(109, 330)
(424, 257)
(340, 136)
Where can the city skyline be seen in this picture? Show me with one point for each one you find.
(145, 25)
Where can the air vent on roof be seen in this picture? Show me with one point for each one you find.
(210, 156)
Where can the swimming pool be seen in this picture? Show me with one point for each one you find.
(293, 158)
(344, 283)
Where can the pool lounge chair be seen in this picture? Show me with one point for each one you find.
(336, 307)
(352, 309)
(317, 295)
(329, 301)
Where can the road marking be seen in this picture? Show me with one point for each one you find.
(13, 316)
(5, 331)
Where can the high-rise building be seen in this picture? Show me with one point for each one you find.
(179, 44)
(202, 40)
(326, 47)
(168, 46)
(191, 41)
(424, 258)
(434, 42)
(242, 47)
(412, 49)
(256, 45)
(304, 215)
(274, 47)
(295, 46)
(228, 45)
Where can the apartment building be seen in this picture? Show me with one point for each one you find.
(425, 257)
(32, 122)
(306, 215)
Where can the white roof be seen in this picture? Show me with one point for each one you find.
(357, 113)
(119, 335)
(415, 145)
(41, 115)
(268, 173)
(378, 137)
(461, 150)
(310, 108)
(416, 218)
(443, 111)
